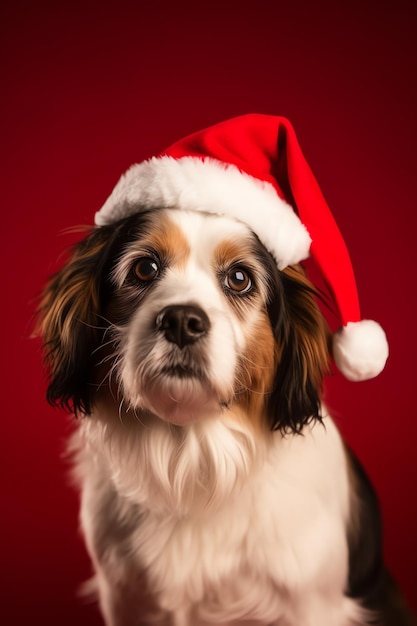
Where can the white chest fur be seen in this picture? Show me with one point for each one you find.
(257, 540)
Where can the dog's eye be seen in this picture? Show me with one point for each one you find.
(146, 269)
(238, 280)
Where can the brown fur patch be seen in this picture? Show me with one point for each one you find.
(167, 239)
(229, 252)
(255, 373)
(69, 321)
(70, 298)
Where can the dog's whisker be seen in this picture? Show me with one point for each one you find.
(120, 410)
(253, 363)
(108, 377)
(105, 380)
(138, 418)
(105, 319)
(107, 357)
(104, 344)
(94, 326)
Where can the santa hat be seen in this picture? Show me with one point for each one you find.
(251, 168)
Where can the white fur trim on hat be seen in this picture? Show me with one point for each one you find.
(360, 350)
(210, 186)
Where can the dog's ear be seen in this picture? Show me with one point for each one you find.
(302, 340)
(69, 320)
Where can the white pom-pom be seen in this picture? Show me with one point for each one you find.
(360, 350)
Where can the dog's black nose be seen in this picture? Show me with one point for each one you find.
(183, 324)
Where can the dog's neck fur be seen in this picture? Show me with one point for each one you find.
(184, 470)
(210, 481)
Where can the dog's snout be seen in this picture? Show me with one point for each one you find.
(183, 324)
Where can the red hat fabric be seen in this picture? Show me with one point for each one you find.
(251, 168)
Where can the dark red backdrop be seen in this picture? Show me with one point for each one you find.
(91, 88)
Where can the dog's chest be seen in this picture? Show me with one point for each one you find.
(215, 562)
(282, 529)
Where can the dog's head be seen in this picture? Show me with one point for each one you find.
(184, 315)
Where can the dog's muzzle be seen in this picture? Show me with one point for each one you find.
(172, 370)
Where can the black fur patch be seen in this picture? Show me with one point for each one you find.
(369, 580)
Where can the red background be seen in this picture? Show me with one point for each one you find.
(89, 88)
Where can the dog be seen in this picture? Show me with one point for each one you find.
(215, 486)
